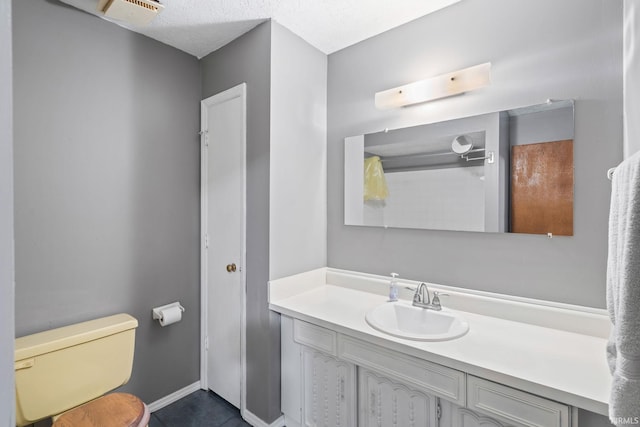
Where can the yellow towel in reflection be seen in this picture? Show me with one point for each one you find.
(375, 185)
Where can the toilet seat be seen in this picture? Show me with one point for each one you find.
(111, 410)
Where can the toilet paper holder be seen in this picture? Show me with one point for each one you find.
(157, 311)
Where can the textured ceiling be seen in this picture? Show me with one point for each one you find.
(199, 27)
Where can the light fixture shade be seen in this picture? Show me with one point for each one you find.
(437, 87)
(136, 12)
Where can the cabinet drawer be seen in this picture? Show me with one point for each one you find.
(426, 376)
(513, 406)
(314, 336)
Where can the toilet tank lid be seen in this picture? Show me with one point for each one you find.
(67, 336)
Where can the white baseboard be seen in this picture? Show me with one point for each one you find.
(257, 422)
(177, 395)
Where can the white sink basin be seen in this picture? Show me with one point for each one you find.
(403, 320)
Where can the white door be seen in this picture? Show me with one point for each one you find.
(223, 243)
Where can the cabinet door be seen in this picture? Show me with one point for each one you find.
(453, 415)
(386, 403)
(328, 391)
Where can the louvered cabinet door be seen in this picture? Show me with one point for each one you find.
(386, 403)
(329, 391)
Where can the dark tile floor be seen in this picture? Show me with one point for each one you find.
(199, 409)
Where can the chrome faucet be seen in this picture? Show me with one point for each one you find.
(421, 298)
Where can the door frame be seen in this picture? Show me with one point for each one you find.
(239, 91)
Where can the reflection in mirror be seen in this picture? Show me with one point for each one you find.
(509, 171)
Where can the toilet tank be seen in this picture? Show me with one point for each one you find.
(59, 369)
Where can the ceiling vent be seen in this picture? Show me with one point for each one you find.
(137, 12)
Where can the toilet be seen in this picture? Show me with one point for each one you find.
(65, 373)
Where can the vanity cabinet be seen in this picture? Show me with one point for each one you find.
(330, 379)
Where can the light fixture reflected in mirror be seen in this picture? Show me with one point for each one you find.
(441, 86)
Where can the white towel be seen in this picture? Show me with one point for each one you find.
(623, 293)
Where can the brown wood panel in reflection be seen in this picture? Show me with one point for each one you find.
(542, 188)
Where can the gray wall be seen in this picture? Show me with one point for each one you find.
(538, 50)
(7, 417)
(543, 126)
(107, 185)
(247, 59)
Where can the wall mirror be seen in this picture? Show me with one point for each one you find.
(508, 171)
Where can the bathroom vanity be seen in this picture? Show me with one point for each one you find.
(521, 363)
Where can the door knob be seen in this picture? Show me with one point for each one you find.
(231, 268)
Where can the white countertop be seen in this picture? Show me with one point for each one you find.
(565, 366)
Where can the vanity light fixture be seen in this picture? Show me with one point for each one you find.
(437, 87)
(136, 12)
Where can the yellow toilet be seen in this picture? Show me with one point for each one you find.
(64, 373)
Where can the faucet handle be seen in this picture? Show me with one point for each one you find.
(436, 298)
